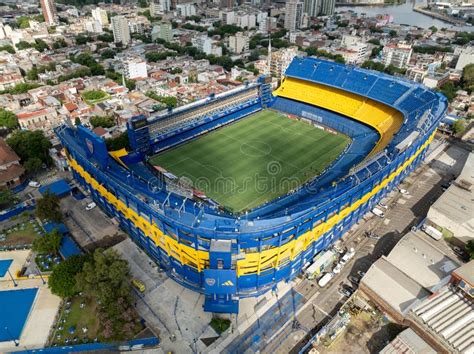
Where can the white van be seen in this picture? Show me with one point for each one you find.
(378, 212)
(325, 279)
(434, 233)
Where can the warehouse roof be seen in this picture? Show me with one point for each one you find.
(456, 203)
(450, 315)
(408, 273)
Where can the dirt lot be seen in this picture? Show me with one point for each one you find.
(366, 333)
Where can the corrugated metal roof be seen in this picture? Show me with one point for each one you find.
(450, 314)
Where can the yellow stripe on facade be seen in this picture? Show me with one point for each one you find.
(254, 262)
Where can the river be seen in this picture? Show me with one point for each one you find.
(404, 14)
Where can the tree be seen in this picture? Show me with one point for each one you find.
(118, 142)
(434, 29)
(32, 74)
(459, 126)
(108, 54)
(81, 39)
(62, 280)
(392, 33)
(29, 144)
(33, 165)
(23, 22)
(23, 45)
(106, 37)
(470, 249)
(468, 78)
(6, 198)
(77, 121)
(59, 43)
(105, 277)
(49, 243)
(23, 87)
(8, 119)
(8, 48)
(449, 90)
(40, 45)
(104, 122)
(48, 208)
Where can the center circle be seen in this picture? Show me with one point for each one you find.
(255, 148)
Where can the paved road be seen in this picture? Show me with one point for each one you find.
(404, 211)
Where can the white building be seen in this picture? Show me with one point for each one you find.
(246, 20)
(281, 59)
(398, 54)
(228, 17)
(121, 30)
(135, 69)
(136, 27)
(328, 7)
(312, 7)
(159, 7)
(207, 45)
(93, 26)
(353, 50)
(466, 57)
(100, 15)
(185, 10)
(293, 15)
(239, 43)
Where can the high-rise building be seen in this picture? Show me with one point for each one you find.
(159, 7)
(312, 7)
(328, 7)
(166, 31)
(121, 30)
(293, 15)
(226, 4)
(49, 11)
(100, 15)
(239, 43)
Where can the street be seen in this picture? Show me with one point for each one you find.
(405, 211)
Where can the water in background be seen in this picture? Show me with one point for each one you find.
(404, 14)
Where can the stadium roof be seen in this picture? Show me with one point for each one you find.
(454, 210)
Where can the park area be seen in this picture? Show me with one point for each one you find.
(255, 160)
(20, 233)
(93, 97)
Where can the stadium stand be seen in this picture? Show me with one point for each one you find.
(391, 122)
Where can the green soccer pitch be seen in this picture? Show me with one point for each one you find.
(255, 160)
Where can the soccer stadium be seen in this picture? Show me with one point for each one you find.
(236, 192)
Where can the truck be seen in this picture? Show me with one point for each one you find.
(378, 212)
(325, 279)
(431, 231)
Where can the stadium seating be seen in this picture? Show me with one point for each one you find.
(384, 119)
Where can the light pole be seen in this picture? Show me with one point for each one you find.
(13, 339)
(13, 279)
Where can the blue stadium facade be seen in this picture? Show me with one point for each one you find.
(224, 256)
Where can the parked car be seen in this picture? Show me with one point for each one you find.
(404, 191)
(91, 206)
(382, 205)
(354, 279)
(138, 284)
(344, 292)
(34, 184)
(361, 273)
